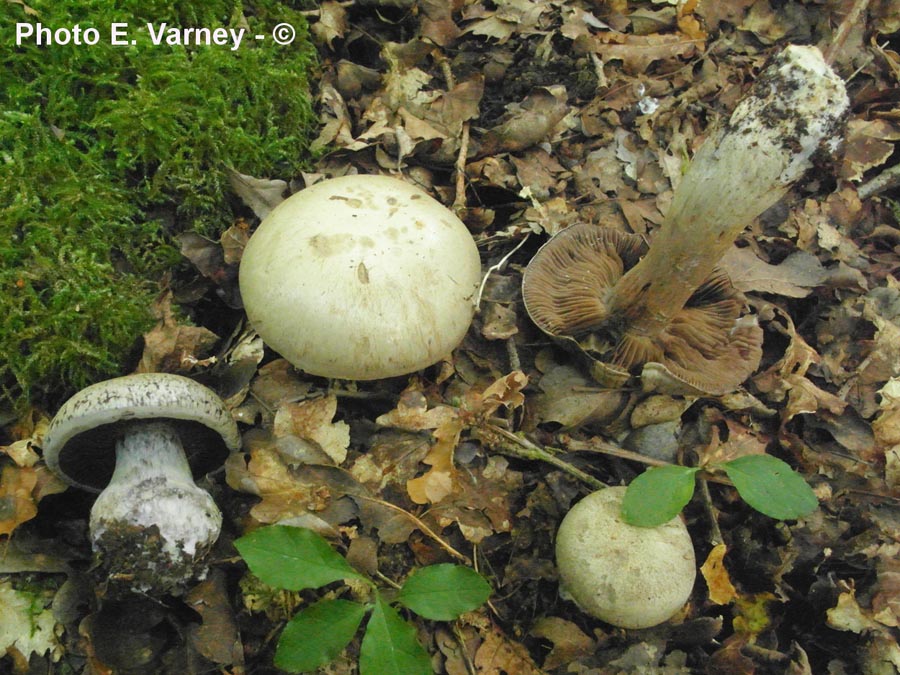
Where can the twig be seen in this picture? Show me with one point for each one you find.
(605, 448)
(421, 525)
(519, 446)
(459, 199)
(887, 179)
(843, 31)
(496, 268)
(716, 537)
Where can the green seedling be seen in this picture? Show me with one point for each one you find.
(766, 483)
(295, 559)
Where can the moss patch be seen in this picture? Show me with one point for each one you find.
(106, 151)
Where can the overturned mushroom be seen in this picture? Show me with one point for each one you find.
(672, 312)
(139, 438)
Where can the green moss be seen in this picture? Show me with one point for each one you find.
(100, 145)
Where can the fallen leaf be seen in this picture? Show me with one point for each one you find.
(569, 642)
(795, 277)
(312, 420)
(718, 581)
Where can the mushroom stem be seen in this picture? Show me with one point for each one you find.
(794, 109)
(152, 523)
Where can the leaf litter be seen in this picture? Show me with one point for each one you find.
(526, 117)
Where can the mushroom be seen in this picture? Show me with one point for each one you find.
(361, 277)
(672, 313)
(141, 439)
(631, 577)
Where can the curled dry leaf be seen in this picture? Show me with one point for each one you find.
(312, 421)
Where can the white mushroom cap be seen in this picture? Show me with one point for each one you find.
(361, 277)
(631, 577)
(80, 443)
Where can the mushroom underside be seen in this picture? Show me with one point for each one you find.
(707, 346)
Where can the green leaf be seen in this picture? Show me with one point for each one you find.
(443, 592)
(658, 495)
(389, 646)
(293, 558)
(771, 487)
(317, 635)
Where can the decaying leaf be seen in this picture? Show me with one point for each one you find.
(312, 421)
(173, 347)
(721, 590)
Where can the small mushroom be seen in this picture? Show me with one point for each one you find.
(361, 277)
(672, 314)
(141, 439)
(631, 577)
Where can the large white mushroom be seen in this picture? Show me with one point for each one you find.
(631, 577)
(141, 439)
(361, 277)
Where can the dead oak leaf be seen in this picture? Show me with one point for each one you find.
(446, 424)
(285, 492)
(16, 503)
(569, 642)
(332, 22)
(312, 421)
(638, 52)
(171, 347)
(795, 277)
(498, 655)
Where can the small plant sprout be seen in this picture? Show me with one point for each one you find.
(666, 312)
(628, 576)
(766, 483)
(295, 558)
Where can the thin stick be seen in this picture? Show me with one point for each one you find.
(421, 525)
(519, 446)
(496, 268)
(843, 31)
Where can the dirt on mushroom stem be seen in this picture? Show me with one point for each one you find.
(794, 111)
(152, 526)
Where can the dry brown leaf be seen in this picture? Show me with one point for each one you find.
(332, 22)
(569, 642)
(498, 655)
(312, 421)
(17, 503)
(795, 277)
(217, 637)
(638, 52)
(260, 194)
(718, 581)
(171, 347)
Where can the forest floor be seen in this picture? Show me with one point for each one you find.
(525, 117)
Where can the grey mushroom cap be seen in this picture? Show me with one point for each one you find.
(80, 443)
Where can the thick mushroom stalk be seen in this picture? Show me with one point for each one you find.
(139, 440)
(793, 109)
(671, 315)
(152, 524)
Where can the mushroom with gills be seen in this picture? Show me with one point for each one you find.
(141, 439)
(668, 310)
(361, 277)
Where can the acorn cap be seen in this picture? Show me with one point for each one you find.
(80, 443)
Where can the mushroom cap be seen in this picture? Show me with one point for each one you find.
(361, 277)
(631, 577)
(80, 443)
(707, 347)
